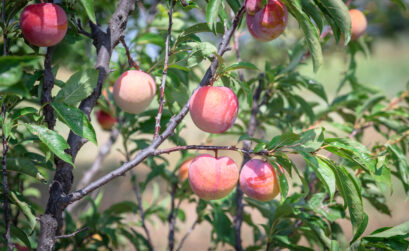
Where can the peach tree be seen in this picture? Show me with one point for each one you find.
(138, 68)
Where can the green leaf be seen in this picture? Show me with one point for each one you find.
(234, 4)
(212, 12)
(282, 181)
(282, 140)
(340, 15)
(310, 140)
(18, 113)
(21, 235)
(11, 68)
(76, 120)
(55, 142)
(122, 207)
(25, 208)
(400, 161)
(241, 65)
(306, 107)
(369, 104)
(78, 87)
(311, 33)
(399, 230)
(89, 9)
(312, 10)
(150, 38)
(25, 166)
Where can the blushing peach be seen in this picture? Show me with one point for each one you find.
(269, 22)
(252, 6)
(214, 109)
(258, 180)
(134, 91)
(105, 120)
(184, 170)
(358, 23)
(43, 24)
(212, 178)
(105, 92)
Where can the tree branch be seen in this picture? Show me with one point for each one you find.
(187, 234)
(165, 72)
(131, 62)
(173, 123)
(3, 20)
(72, 234)
(48, 85)
(251, 129)
(5, 181)
(209, 148)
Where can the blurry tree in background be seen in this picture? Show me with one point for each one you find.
(184, 45)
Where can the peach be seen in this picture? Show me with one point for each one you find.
(134, 91)
(269, 22)
(358, 23)
(213, 109)
(184, 170)
(258, 180)
(43, 24)
(212, 178)
(105, 120)
(252, 6)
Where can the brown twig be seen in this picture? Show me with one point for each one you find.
(187, 234)
(131, 62)
(165, 72)
(210, 148)
(171, 217)
(72, 234)
(173, 123)
(251, 129)
(5, 183)
(48, 85)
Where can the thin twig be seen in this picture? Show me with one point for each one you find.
(72, 234)
(251, 129)
(131, 62)
(81, 29)
(173, 123)
(48, 85)
(187, 234)
(5, 183)
(210, 148)
(172, 218)
(165, 72)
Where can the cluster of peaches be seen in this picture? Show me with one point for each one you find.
(213, 109)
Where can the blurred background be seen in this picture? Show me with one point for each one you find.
(386, 67)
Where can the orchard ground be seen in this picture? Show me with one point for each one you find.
(390, 60)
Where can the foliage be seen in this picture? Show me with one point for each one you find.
(339, 173)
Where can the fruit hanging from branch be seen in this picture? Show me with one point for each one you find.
(184, 170)
(105, 120)
(214, 109)
(258, 180)
(268, 23)
(43, 24)
(358, 23)
(212, 178)
(134, 91)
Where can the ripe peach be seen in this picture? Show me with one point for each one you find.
(269, 22)
(134, 91)
(252, 6)
(258, 180)
(184, 170)
(212, 178)
(43, 24)
(105, 92)
(213, 109)
(358, 23)
(105, 120)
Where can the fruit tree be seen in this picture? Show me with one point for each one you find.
(210, 118)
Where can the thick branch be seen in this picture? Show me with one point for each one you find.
(48, 85)
(165, 73)
(7, 236)
(173, 123)
(251, 129)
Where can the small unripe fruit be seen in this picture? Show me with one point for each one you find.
(105, 120)
(212, 178)
(358, 23)
(258, 180)
(134, 91)
(269, 22)
(252, 6)
(184, 170)
(43, 24)
(214, 109)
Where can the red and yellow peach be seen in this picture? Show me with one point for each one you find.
(134, 91)
(213, 109)
(212, 178)
(267, 23)
(43, 24)
(258, 180)
(184, 170)
(105, 120)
